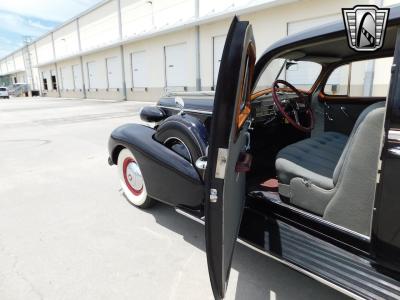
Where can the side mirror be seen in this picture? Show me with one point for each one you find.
(152, 114)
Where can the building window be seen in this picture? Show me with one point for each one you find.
(45, 84)
(54, 82)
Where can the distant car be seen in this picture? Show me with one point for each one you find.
(251, 163)
(19, 89)
(4, 93)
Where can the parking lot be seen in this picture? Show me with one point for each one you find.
(66, 232)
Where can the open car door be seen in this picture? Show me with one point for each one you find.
(228, 160)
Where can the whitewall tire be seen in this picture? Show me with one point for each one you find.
(132, 181)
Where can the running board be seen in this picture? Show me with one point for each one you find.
(338, 266)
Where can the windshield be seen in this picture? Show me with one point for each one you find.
(301, 74)
(3, 89)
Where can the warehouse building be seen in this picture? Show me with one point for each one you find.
(138, 50)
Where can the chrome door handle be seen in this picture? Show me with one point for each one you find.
(344, 111)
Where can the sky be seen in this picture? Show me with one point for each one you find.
(33, 18)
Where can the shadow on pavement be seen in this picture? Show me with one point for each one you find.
(259, 277)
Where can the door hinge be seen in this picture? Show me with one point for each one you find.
(213, 195)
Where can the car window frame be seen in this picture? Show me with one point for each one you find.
(310, 91)
(332, 67)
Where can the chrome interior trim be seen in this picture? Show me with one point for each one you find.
(314, 217)
(187, 215)
(187, 110)
(394, 135)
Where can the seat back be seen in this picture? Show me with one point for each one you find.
(355, 174)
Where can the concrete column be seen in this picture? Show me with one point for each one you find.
(78, 30)
(40, 75)
(58, 78)
(7, 64)
(197, 46)
(122, 51)
(15, 66)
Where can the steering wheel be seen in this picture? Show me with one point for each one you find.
(290, 108)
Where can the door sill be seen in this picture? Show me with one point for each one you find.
(340, 236)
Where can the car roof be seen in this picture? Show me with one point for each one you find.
(327, 44)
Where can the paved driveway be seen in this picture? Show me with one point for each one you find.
(66, 232)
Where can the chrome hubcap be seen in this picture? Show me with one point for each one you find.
(134, 176)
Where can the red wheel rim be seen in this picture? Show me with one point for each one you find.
(125, 165)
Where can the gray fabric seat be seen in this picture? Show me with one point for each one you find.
(334, 176)
(313, 159)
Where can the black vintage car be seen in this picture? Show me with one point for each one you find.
(305, 174)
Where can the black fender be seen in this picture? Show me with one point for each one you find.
(187, 129)
(169, 177)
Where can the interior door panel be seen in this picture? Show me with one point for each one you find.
(227, 159)
(341, 112)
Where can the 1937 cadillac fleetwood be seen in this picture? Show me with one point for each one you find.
(306, 172)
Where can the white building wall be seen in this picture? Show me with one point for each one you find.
(46, 72)
(99, 86)
(99, 27)
(21, 77)
(69, 88)
(154, 64)
(19, 61)
(167, 13)
(3, 64)
(44, 49)
(136, 17)
(66, 40)
(10, 64)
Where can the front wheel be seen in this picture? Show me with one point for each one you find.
(132, 181)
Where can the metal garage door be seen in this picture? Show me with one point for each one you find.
(218, 47)
(139, 74)
(77, 77)
(114, 72)
(92, 71)
(175, 64)
(66, 78)
(304, 72)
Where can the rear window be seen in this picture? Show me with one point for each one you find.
(2, 89)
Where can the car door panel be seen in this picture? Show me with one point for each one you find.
(341, 112)
(227, 161)
(385, 237)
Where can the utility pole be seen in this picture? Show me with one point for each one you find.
(28, 61)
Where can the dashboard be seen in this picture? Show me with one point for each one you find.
(263, 109)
